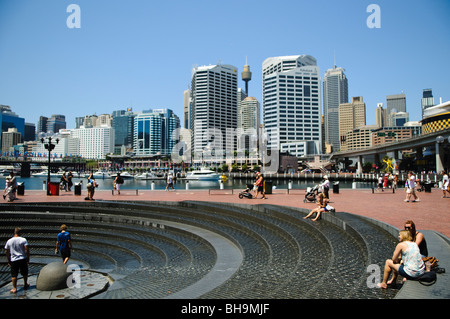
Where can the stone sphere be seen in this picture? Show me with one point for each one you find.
(53, 276)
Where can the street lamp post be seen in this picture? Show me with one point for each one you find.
(439, 166)
(46, 139)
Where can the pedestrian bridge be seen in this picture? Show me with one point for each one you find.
(418, 142)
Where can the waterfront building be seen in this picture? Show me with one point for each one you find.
(123, 124)
(94, 142)
(292, 104)
(153, 132)
(214, 98)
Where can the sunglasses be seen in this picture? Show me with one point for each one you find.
(408, 227)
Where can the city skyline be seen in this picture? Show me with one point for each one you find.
(141, 55)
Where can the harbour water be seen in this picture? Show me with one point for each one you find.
(39, 183)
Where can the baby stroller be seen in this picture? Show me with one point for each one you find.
(311, 194)
(247, 192)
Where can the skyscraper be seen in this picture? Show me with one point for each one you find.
(153, 132)
(123, 124)
(427, 99)
(9, 119)
(380, 115)
(351, 116)
(335, 92)
(56, 123)
(214, 109)
(394, 104)
(186, 108)
(170, 122)
(248, 122)
(147, 133)
(291, 104)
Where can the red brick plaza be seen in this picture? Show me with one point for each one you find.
(432, 212)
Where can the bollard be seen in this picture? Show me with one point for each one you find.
(290, 185)
(43, 185)
(221, 184)
(136, 192)
(153, 186)
(187, 185)
(354, 185)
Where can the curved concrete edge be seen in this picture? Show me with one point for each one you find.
(89, 284)
(229, 259)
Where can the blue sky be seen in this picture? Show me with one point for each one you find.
(140, 53)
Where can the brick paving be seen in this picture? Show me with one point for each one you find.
(432, 212)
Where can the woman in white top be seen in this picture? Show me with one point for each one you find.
(445, 182)
(411, 266)
(411, 184)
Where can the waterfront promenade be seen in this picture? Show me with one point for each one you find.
(432, 212)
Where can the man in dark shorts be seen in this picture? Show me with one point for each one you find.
(18, 256)
(64, 244)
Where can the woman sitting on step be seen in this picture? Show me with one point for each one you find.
(411, 266)
(323, 201)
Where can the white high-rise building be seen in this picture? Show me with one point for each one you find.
(94, 142)
(292, 104)
(214, 104)
(335, 92)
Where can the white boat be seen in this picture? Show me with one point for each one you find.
(100, 175)
(45, 174)
(145, 176)
(125, 175)
(203, 175)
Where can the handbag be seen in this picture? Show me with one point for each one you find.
(432, 260)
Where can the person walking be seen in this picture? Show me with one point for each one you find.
(445, 184)
(169, 182)
(13, 183)
(18, 256)
(63, 182)
(411, 188)
(69, 181)
(325, 187)
(260, 184)
(117, 182)
(64, 244)
(91, 185)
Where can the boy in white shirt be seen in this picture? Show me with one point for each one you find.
(18, 256)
